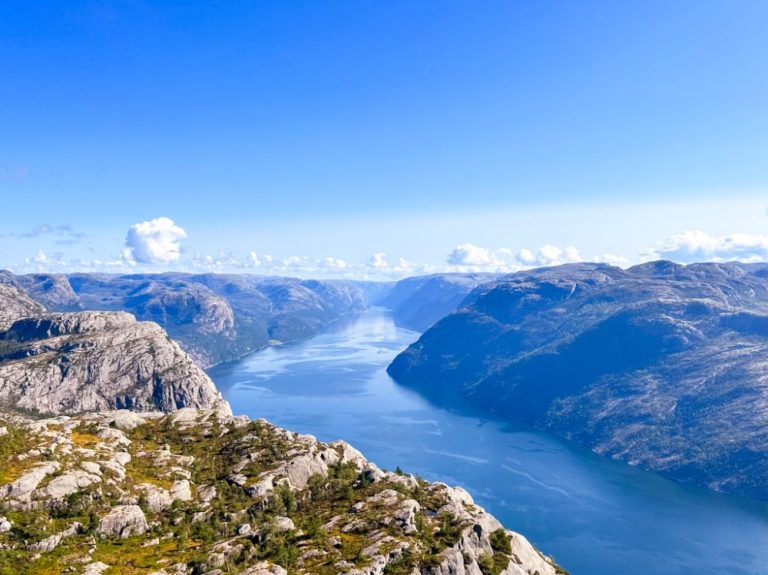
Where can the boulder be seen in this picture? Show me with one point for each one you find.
(123, 521)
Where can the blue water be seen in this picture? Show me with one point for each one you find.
(595, 516)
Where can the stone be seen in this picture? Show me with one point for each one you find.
(24, 486)
(66, 484)
(5, 524)
(96, 568)
(50, 543)
(112, 361)
(181, 491)
(264, 568)
(123, 521)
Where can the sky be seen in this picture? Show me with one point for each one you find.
(380, 139)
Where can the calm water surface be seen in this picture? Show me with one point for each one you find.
(594, 515)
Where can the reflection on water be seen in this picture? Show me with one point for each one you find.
(594, 515)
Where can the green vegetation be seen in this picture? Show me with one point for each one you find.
(335, 518)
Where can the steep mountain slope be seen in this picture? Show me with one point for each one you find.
(214, 317)
(15, 304)
(418, 302)
(200, 492)
(661, 365)
(51, 290)
(88, 361)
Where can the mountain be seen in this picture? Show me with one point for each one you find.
(661, 365)
(15, 304)
(418, 302)
(201, 492)
(214, 317)
(65, 363)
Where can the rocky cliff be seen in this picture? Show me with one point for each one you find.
(55, 363)
(661, 365)
(200, 492)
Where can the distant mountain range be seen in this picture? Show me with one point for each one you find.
(214, 317)
(661, 365)
(420, 301)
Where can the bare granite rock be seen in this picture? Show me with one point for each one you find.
(15, 304)
(67, 363)
(123, 521)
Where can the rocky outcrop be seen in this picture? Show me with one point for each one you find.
(267, 501)
(57, 363)
(660, 365)
(123, 521)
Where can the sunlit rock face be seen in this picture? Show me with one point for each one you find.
(68, 363)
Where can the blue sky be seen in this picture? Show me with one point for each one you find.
(446, 134)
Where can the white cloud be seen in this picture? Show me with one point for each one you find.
(335, 263)
(696, 246)
(43, 261)
(378, 261)
(40, 258)
(471, 257)
(156, 241)
(613, 259)
(254, 260)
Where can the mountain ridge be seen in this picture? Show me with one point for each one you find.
(660, 365)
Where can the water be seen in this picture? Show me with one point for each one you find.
(594, 515)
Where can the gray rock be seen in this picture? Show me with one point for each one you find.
(96, 568)
(264, 568)
(180, 491)
(283, 524)
(50, 543)
(123, 521)
(97, 361)
(22, 489)
(158, 499)
(15, 304)
(66, 484)
(5, 524)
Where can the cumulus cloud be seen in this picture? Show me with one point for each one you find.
(255, 260)
(613, 259)
(471, 257)
(156, 241)
(335, 263)
(43, 261)
(696, 245)
(378, 261)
